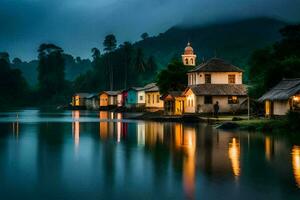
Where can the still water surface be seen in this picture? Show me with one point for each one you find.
(100, 155)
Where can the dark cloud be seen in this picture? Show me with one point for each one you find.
(78, 25)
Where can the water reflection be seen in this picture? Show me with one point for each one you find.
(296, 164)
(131, 159)
(185, 139)
(103, 115)
(234, 156)
(76, 128)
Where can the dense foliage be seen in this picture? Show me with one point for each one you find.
(173, 78)
(270, 65)
(13, 87)
(117, 68)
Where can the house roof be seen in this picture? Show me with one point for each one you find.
(283, 90)
(216, 65)
(111, 93)
(173, 94)
(219, 89)
(82, 95)
(152, 87)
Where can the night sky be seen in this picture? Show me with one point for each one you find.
(79, 25)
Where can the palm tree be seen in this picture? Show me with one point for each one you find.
(139, 61)
(110, 44)
(127, 51)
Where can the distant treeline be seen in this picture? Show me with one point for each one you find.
(55, 76)
(126, 65)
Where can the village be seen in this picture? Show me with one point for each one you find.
(213, 86)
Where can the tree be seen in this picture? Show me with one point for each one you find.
(110, 44)
(151, 65)
(127, 50)
(270, 65)
(13, 86)
(144, 36)
(139, 61)
(5, 56)
(173, 78)
(51, 70)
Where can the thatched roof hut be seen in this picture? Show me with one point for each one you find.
(283, 90)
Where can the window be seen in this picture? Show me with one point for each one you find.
(207, 78)
(149, 98)
(141, 98)
(192, 62)
(153, 98)
(207, 99)
(192, 103)
(231, 79)
(157, 98)
(186, 61)
(233, 100)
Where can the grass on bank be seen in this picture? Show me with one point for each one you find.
(288, 123)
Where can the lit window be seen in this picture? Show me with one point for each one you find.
(233, 100)
(207, 78)
(231, 79)
(207, 99)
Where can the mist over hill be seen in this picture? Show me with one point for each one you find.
(233, 41)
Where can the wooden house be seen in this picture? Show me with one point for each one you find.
(121, 98)
(215, 81)
(79, 100)
(174, 103)
(153, 100)
(285, 96)
(92, 101)
(108, 98)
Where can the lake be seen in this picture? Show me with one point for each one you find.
(100, 155)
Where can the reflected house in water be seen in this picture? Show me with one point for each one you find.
(285, 96)
(154, 133)
(234, 156)
(296, 164)
(185, 141)
(76, 127)
(107, 127)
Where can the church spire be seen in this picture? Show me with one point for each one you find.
(188, 57)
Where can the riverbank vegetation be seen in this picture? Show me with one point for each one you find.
(285, 124)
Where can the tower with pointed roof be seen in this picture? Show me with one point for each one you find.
(188, 57)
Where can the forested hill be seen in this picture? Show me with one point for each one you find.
(234, 41)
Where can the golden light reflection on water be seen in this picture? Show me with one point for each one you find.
(154, 132)
(234, 156)
(296, 164)
(103, 115)
(76, 127)
(119, 127)
(185, 139)
(268, 148)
